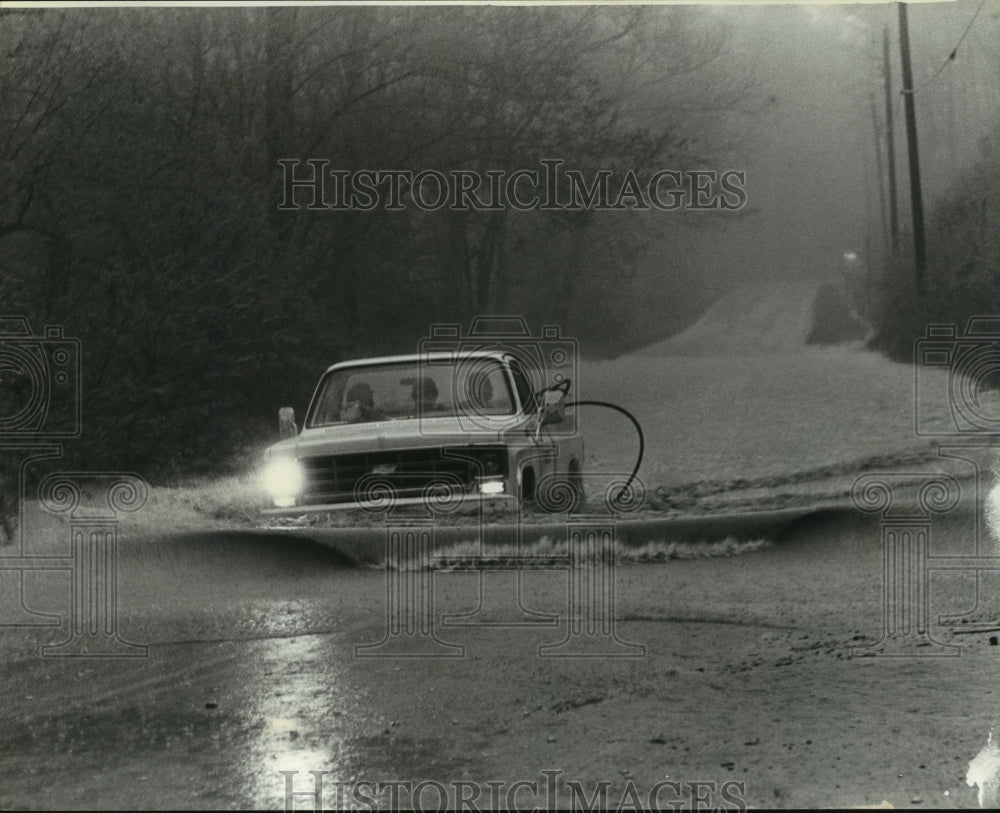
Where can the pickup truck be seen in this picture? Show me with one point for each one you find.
(447, 430)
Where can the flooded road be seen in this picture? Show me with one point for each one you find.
(269, 659)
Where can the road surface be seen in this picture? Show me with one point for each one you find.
(751, 679)
(733, 670)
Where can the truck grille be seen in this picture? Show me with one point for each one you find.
(334, 479)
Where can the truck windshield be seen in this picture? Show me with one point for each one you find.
(425, 389)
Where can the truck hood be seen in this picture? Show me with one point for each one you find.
(395, 434)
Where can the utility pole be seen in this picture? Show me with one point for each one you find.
(890, 139)
(877, 132)
(916, 199)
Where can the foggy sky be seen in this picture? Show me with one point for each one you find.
(810, 154)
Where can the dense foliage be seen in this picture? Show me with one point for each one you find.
(140, 186)
(963, 273)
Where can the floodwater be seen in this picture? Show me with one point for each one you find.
(275, 667)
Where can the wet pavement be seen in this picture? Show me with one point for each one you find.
(727, 670)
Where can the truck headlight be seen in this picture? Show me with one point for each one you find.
(282, 479)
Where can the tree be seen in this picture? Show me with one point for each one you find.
(139, 154)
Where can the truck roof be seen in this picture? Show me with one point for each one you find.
(410, 358)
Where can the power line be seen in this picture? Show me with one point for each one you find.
(954, 51)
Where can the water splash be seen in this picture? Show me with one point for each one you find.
(984, 772)
(984, 769)
(991, 512)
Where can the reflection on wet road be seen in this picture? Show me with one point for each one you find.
(247, 676)
(300, 719)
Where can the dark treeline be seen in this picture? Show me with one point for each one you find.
(963, 270)
(140, 192)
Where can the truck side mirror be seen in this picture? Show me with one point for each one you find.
(553, 406)
(286, 423)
